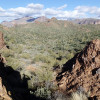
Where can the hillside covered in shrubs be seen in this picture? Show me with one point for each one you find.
(39, 50)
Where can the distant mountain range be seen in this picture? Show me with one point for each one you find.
(86, 21)
(27, 19)
(23, 20)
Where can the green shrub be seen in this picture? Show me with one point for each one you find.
(12, 62)
(43, 92)
(44, 74)
(7, 53)
(43, 59)
(25, 55)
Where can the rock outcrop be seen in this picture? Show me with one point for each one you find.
(3, 92)
(82, 72)
(2, 44)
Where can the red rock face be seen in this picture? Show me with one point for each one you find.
(2, 44)
(82, 71)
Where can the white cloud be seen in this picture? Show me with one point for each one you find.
(51, 11)
(87, 9)
(82, 8)
(36, 10)
(63, 14)
(62, 7)
(35, 6)
(29, 10)
(1, 9)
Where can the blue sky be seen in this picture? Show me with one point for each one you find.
(61, 9)
(49, 3)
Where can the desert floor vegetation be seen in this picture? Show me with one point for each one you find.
(45, 48)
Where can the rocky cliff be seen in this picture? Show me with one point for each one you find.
(82, 72)
(3, 91)
(2, 44)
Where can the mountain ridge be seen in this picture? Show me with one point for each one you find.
(86, 21)
(28, 19)
(23, 20)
